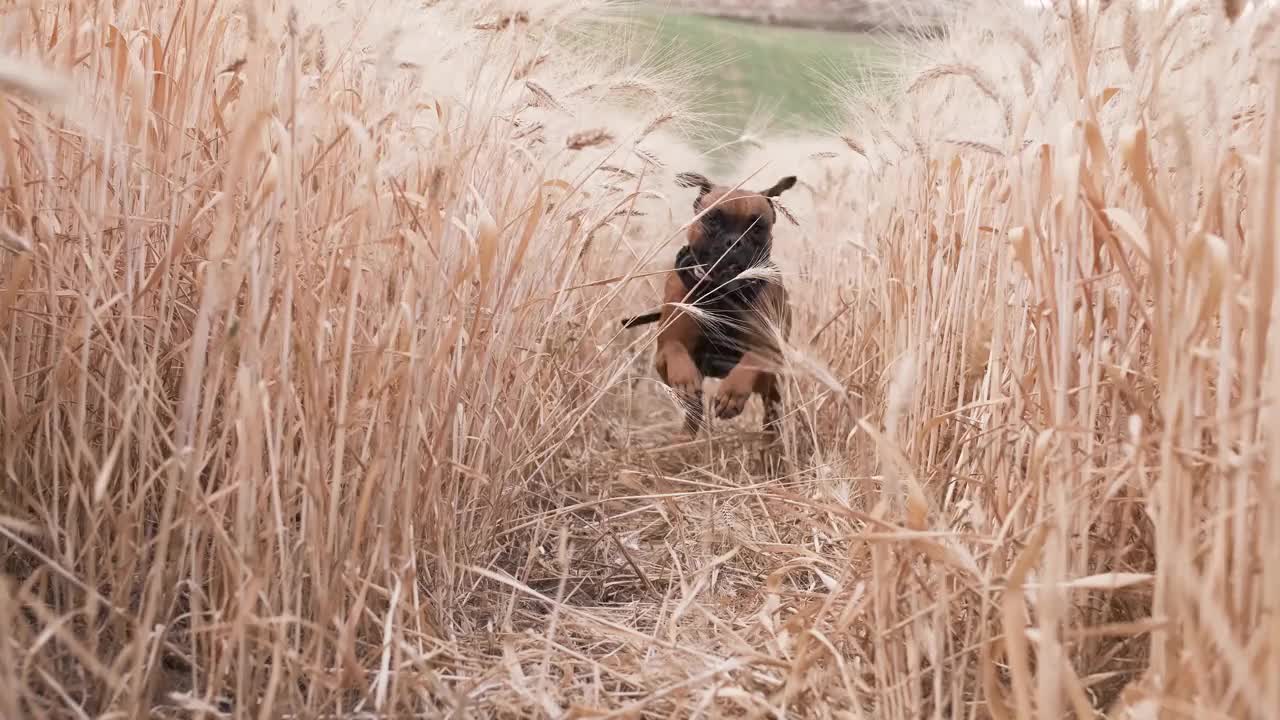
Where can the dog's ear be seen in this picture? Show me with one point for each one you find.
(692, 180)
(780, 187)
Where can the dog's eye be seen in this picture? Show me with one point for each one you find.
(713, 219)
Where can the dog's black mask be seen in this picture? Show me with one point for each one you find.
(732, 243)
(734, 233)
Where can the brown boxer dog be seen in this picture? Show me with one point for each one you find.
(722, 306)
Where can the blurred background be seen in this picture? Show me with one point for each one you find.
(782, 65)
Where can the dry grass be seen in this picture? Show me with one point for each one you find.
(313, 400)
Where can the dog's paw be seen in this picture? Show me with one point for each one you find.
(690, 389)
(730, 402)
(686, 384)
(690, 401)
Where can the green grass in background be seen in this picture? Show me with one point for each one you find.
(770, 65)
(781, 72)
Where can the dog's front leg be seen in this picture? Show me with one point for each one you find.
(767, 389)
(674, 358)
(753, 373)
(737, 387)
(676, 368)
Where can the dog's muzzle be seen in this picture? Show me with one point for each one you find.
(721, 258)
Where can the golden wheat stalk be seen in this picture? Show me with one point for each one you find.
(13, 241)
(543, 97)
(588, 138)
(976, 76)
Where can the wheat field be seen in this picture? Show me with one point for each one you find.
(314, 400)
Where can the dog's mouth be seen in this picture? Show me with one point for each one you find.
(728, 255)
(722, 266)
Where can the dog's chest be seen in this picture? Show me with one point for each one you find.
(716, 353)
(727, 301)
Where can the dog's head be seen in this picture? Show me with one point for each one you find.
(737, 221)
